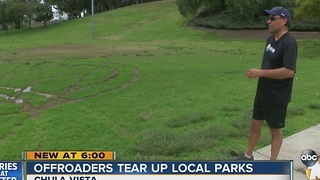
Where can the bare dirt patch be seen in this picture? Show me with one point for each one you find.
(83, 51)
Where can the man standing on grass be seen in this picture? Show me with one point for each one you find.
(275, 82)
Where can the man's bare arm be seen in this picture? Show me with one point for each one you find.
(280, 73)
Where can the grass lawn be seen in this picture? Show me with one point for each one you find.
(147, 86)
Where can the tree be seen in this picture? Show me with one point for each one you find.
(30, 10)
(110, 4)
(307, 9)
(15, 11)
(193, 8)
(210, 7)
(217, 5)
(245, 9)
(3, 16)
(103, 5)
(188, 8)
(43, 13)
(249, 11)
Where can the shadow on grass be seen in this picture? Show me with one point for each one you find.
(197, 132)
(314, 106)
(192, 118)
(168, 142)
(172, 140)
(295, 111)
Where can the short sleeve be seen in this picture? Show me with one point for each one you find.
(290, 54)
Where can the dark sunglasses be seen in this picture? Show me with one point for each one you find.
(272, 18)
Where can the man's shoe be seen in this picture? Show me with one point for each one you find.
(243, 157)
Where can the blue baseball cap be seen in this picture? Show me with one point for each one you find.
(278, 11)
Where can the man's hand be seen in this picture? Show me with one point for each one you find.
(254, 73)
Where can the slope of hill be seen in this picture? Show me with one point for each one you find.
(147, 87)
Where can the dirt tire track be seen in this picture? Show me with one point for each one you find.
(59, 99)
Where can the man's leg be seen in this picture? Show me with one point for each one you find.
(254, 136)
(276, 142)
(275, 118)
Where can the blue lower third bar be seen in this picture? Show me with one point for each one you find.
(10, 170)
(159, 167)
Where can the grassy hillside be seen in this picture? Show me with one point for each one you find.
(147, 87)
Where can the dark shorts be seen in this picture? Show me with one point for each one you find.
(274, 115)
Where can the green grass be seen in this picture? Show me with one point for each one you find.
(147, 87)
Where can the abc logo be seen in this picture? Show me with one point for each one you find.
(309, 157)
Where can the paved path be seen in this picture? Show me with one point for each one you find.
(292, 148)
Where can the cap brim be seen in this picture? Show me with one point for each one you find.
(268, 13)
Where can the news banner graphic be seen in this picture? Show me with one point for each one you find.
(69, 155)
(113, 170)
(312, 161)
(101, 165)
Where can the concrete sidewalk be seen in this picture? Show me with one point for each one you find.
(292, 147)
